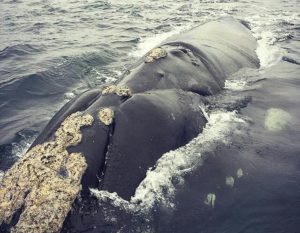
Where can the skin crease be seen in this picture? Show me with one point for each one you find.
(154, 107)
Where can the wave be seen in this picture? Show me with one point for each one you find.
(19, 50)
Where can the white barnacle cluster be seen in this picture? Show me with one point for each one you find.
(46, 180)
(122, 91)
(155, 54)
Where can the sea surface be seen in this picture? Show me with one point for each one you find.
(241, 174)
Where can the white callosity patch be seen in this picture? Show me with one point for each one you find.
(158, 186)
(46, 180)
(277, 119)
(111, 89)
(210, 199)
(229, 181)
(155, 54)
(106, 116)
(122, 91)
(239, 173)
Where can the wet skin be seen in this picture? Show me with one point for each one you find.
(162, 111)
(123, 128)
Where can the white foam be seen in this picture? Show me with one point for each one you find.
(108, 77)
(69, 95)
(148, 43)
(1, 175)
(18, 149)
(235, 85)
(267, 51)
(264, 29)
(113, 198)
(242, 80)
(159, 186)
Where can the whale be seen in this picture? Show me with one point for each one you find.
(108, 137)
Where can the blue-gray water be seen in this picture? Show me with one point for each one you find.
(249, 165)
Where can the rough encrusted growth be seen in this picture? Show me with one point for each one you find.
(155, 54)
(106, 116)
(111, 89)
(123, 91)
(46, 180)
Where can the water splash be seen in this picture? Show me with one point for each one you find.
(267, 51)
(243, 80)
(148, 43)
(20, 148)
(1, 175)
(265, 29)
(159, 186)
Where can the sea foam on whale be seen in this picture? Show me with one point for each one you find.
(159, 187)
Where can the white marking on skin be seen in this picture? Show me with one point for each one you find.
(123, 91)
(229, 181)
(239, 173)
(210, 199)
(111, 89)
(277, 119)
(106, 116)
(155, 54)
(46, 180)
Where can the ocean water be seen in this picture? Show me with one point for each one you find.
(242, 174)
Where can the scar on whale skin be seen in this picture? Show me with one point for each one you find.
(45, 181)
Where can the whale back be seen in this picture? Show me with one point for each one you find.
(115, 133)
